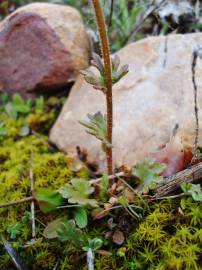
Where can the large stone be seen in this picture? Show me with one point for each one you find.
(149, 101)
(42, 46)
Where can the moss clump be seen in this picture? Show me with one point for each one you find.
(169, 236)
(50, 168)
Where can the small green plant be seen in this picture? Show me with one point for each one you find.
(193, 190)
(17, 105)
(149, 174)
(123, 21)
(78, 191)
(66, 231)
(14, 230)
(104, 185)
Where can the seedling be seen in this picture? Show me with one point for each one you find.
(66, 230)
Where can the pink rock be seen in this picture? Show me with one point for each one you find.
(35, 53)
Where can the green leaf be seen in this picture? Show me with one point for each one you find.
(39, 104)
(81, 217)
(17, 100)
(67, 231)
(50, 231)
(48, 200)
(99, 81)
(97, 62)
(194, 190)
(11, 110)
(97, 126)
(20, 105)
(104, 184)
(148, 172)
(93, 244)
(96, 80)
(4, 98)
(117, 71)
(78, 191)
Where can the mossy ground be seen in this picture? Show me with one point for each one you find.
(169, 236)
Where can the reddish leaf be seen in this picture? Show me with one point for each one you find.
(108, 235)
(99, 213)
(118, 237)
(111, 224)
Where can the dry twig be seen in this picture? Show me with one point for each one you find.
(28, 199)
(31, 177)
(172, 183)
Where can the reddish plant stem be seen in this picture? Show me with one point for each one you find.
(109, 128)
(101, 24)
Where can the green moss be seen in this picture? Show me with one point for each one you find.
(168, 237)
(41, 122)
(50, 170)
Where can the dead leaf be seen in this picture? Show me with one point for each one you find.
(111, 223)
(118, 237)
(129, 195)
(99, 213)
(109, 234)
(112, 201)
(103, 252)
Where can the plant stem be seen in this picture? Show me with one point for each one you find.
(69, 206)
(111, 13)
(171, 197)
(28, 199)
(111, 177)
(101, 24)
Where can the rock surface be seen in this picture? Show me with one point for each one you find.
(42, 46)
(149, 101)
